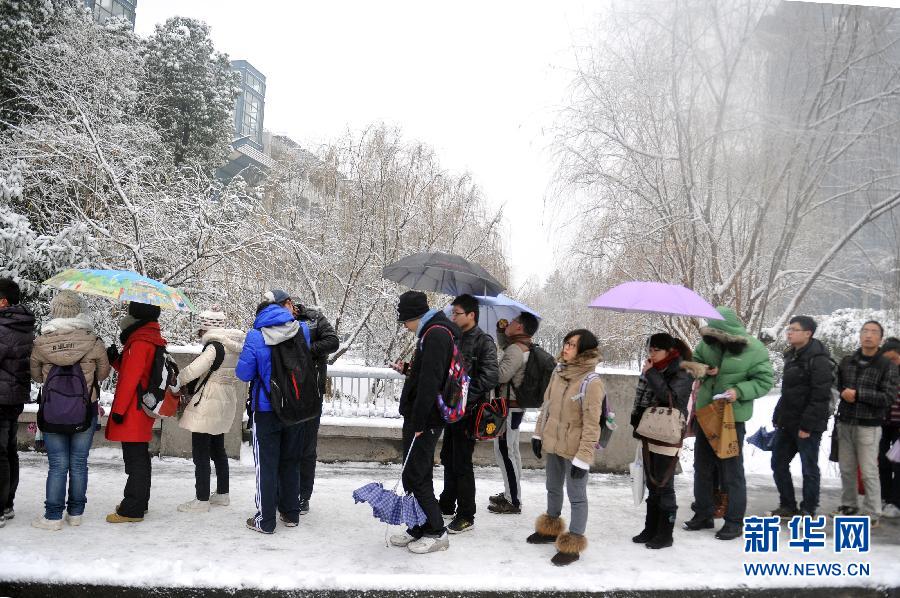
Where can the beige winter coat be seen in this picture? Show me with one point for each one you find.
(212, 411)
(569, 427)
(67, 341)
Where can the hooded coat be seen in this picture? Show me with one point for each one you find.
(272, 326)
(67, 341)
(569, 427)
(212, 410)
(742, 360)
(134, 365)
(16, 339)
(808, 378)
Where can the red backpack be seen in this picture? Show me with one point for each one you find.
(451, 401)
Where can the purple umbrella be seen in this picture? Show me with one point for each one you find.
(656, 298)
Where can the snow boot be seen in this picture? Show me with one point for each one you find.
(568, 548)
(651, 524)
(546, 530)
(664, 526)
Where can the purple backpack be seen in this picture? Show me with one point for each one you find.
(65, 401)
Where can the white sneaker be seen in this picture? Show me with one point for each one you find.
(194, 506)
(890, 511)
(427, 544)
(50, 524)
(220, 500)
(73, 520)
(401, 540)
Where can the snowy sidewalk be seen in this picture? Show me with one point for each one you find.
(338, 545)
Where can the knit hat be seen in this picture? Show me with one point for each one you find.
(276, 296)
(143, 311)
(209, 319)
(66, 304)
(412, 305)
(661, 341)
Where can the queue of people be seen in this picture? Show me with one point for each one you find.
(285, 353)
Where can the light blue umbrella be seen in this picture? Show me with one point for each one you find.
(496, 308)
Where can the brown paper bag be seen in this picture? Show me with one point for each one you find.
(717, 422)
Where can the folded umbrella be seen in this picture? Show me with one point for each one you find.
(762, 439)
(442, 272)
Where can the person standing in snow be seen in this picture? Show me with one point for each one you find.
(322, 341)
(666, 376)
(16, 339)
(276, 445)
(739, 368)
(212, 406)
(422, 420)
(127, 422)
(566, 431)
(888, 471)
(68, 339)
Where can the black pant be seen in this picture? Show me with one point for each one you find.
(663, 497)
(731, 476)
(136, 499)
(787, 444)
(9, 455)
(309, 440)
(276, 452)
(888, 471)
(418, 478)
(459, 474)
(205, 447)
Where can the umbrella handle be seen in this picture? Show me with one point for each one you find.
(408, 453)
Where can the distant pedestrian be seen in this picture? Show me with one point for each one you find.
(567, 431)
(127, 422)
(867, 383)
(426, 376)
(889, 471)
(801, 416)
(212, 406)
(16, 339)
(68, 341)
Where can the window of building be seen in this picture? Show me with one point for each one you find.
(250, 123)
(254, 82)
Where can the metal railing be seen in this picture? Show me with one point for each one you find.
(361, 391)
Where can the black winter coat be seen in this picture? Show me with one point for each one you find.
(480, 357)
(322, 339)
(875, 385)
(654, 389)
(806, 386)
(16, 341)
(428, 374)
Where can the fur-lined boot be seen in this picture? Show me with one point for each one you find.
(568, 548)
(546, 529)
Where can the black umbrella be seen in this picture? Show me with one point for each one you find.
(450, 274)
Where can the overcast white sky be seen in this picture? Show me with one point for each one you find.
(477, 81)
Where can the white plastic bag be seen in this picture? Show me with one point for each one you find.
(638, 485)
(893, 453)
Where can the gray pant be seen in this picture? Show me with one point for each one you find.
(858, 447)
(558, 471)
(509, 459)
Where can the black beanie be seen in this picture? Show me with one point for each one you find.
(412, 305)
(661, 340)
(142, 311)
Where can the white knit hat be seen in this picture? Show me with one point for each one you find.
(66, 304)
(209, 319)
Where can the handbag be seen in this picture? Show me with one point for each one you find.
(490, 419)
(664, 426)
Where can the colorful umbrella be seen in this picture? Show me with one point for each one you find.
(122, 285)
(444, 272)
(656, 298)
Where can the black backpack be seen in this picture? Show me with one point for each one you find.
(294, 384)
(538, 369)
(194, 387)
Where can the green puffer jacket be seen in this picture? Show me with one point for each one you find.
(742, 360)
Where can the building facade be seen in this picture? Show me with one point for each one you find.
(248, 156)
(105, 9)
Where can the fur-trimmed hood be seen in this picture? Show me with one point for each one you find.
(231, 339)
(728, 331)
(696, 370)
(62, 325)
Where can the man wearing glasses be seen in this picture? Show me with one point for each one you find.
(801, 416)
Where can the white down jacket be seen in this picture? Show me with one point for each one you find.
(213, 410)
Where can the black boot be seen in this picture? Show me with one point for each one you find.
(663, 537)
(698, 523)
(651, 523)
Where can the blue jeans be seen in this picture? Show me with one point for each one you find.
(787, 444)
(68, 455)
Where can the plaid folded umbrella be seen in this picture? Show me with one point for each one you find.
(389, 507)
(763, 439)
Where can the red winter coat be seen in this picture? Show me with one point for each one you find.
(134, 370)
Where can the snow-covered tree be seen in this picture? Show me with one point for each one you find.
(191, 88)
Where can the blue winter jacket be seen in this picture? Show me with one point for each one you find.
(255, 363)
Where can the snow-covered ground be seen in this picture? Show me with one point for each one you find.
(339, 545)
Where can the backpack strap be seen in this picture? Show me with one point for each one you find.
(670, 470)
(304, 326)
(216, 364)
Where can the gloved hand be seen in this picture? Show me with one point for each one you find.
(536, 445)
(636, 418)
(112, 353)
(117, 417)
(578, 473)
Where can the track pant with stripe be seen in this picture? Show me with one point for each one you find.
(277, 450)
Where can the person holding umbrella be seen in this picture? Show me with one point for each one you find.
(128, 423)
(567, 430)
